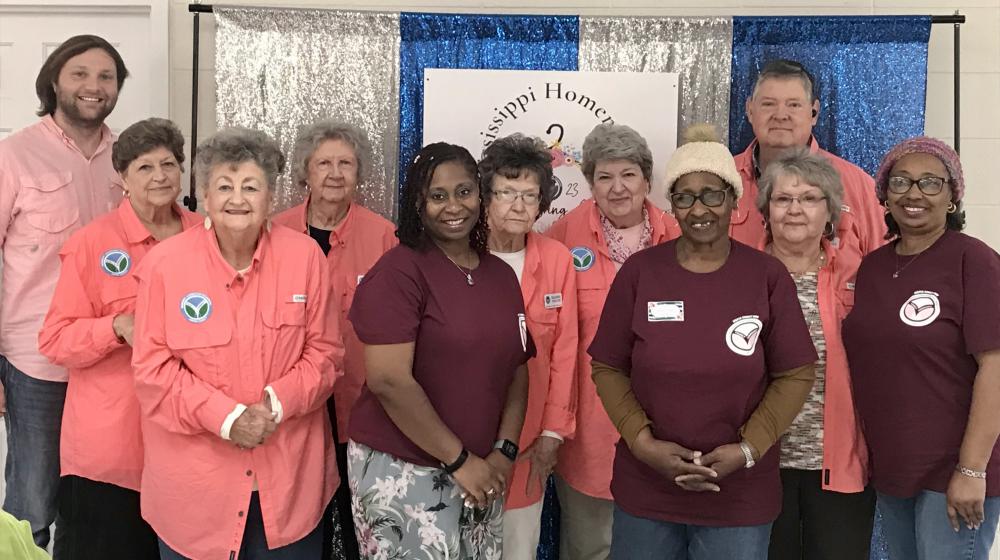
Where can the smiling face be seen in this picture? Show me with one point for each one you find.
(700, 224)
(513, 217)
(620, 189)
(332, 172)
(153, 180)
(915, 212)
(798, 211)
(451, 205)
(237, 197)
(87, 88)
(781, 114)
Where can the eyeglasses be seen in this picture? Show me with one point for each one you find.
(710, 198)
(806, 201)
(530, 198)
(927, 185)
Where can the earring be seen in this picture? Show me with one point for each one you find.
(208, 222)
(952, 207)
(885, 204)
(828, 226)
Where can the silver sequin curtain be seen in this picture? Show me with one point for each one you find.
(698, 48)
(278, 70)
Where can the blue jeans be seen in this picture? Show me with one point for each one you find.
(33, 422)
(918, 529)
(638, 538)
(254, 545)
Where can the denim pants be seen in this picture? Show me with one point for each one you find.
(33, 422)
(637, 538)
(918, 529)
(254, 545)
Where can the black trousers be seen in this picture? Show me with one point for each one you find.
(339, 539)
(101, 521)
(816, 524)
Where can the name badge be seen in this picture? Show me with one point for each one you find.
(298, 298)
(657, 311)
(553, 301)
(850, 285)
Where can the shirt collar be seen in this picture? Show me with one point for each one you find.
(263, 242)
(107, 137)
(136, 232)
(754, 150)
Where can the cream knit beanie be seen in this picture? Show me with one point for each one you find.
(702, 151)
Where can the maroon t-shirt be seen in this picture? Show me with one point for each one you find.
(699, 349)
(469, 341)
(910, 345)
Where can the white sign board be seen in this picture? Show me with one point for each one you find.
(472, 108)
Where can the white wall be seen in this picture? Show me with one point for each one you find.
(980, 71)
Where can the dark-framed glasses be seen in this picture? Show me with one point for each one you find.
(710, 198)
(806, 200)
(927, 185)
(530, 198)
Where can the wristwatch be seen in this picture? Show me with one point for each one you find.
(747, 454)
(507, 448)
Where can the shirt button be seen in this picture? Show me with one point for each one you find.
(240, 514)
(249, 473)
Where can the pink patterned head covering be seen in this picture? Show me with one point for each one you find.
(922, 145)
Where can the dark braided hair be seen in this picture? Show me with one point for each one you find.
(418, 178)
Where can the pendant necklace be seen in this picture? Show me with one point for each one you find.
(468, 274)
(900, 269)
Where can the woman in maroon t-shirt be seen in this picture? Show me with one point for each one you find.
(702, 358)
(446, 341)
(923, 341)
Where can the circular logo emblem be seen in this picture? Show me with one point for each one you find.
(116, 262)
(742, 335)
(920, 309)
(559, 187)
(583, 258)
(196, 307)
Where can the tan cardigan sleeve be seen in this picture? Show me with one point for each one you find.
(782, 402)
(614, 386)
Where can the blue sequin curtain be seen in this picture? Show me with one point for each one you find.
(478, 42)
(871, 77)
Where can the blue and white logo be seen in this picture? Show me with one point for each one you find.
(116, 262)
(196, 307)
(583, 258)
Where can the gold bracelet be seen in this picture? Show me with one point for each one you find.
(965, 471)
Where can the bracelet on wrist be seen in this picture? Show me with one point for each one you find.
(747, 454)
(457, 464)
(965, 471)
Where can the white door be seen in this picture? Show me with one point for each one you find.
(31, 29)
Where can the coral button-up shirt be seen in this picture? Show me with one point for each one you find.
(48, 190)
(356, 243)
(101, 436)
(208, 338)
(585, 461)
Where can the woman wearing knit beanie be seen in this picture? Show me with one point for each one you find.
(702, 359)
(923, 341)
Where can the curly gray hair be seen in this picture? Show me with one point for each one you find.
(616, 141)
(808, 167)
(312, 136)
(236, 145)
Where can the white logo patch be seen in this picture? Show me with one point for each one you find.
(552, 301)
(920, 309)
(743, 334)
(523, 326)
(657, 311)
(298, 298)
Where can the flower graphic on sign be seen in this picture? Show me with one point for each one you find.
(562, 155)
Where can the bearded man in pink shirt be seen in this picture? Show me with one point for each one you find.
(55, 177)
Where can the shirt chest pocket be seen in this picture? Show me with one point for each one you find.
(49, 206)
(542, 325)
(203, 347)
(284, 336)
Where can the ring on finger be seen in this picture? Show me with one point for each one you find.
(491, 491)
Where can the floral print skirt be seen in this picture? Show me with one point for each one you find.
(402, 510)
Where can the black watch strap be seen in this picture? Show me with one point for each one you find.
(450, 469)
(507, 448)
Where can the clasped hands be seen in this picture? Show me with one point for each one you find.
(483, 480)
(255, 426)
(692, 470)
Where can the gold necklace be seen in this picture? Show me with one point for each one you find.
(468, 274)
(900, 269)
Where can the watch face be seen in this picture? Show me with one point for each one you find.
(509, 449)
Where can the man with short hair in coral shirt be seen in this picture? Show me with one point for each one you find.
(55, 177)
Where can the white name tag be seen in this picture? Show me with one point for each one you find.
(298, 298)
(657, 311)
(553, 301)
(850, 285)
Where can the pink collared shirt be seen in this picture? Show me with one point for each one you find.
(101, 438)
(356, 243)
(48, 190)
(207, 339)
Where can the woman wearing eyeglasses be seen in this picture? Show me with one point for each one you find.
(827, 512)
(923, 342)
(516, 178)
(702, 359)
(601, 233)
